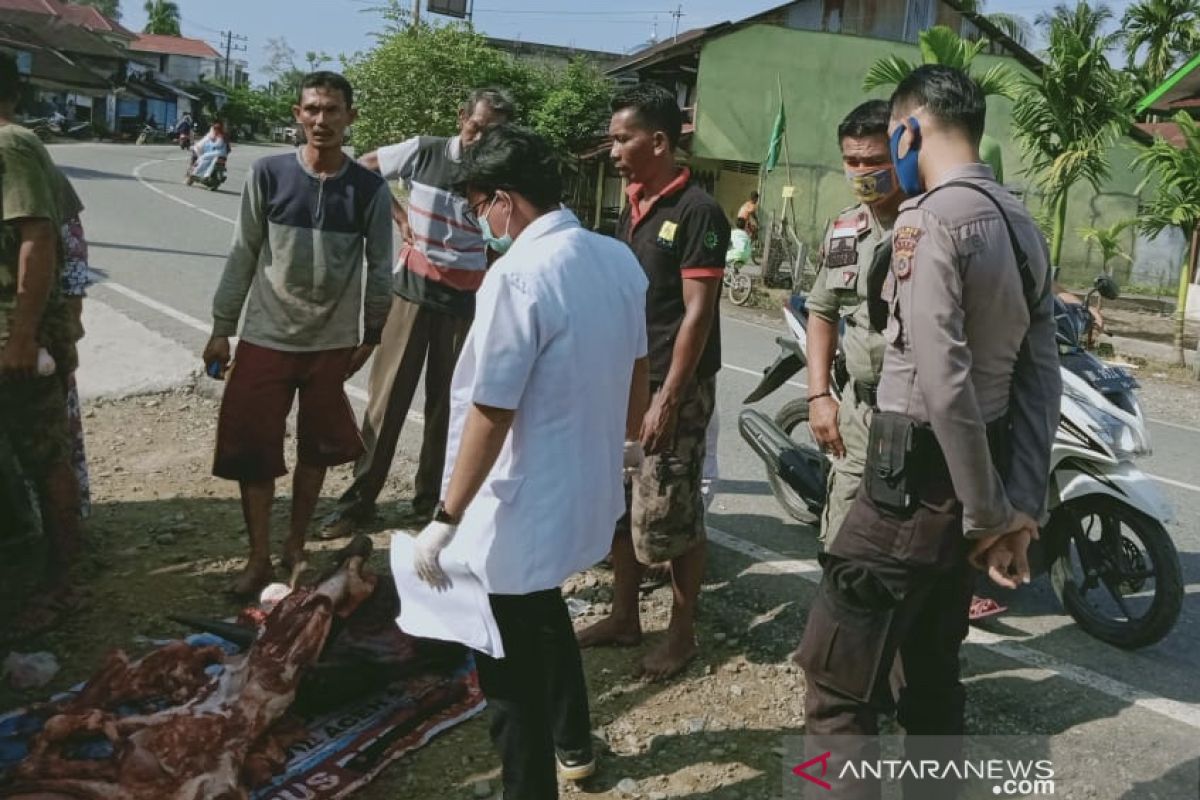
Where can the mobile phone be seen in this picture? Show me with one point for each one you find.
(214, 369)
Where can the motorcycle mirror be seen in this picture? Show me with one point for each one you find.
(1107, 287)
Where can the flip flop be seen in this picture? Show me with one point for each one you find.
(984, 607)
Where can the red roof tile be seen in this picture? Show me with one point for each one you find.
(172, 45)
(91, 18)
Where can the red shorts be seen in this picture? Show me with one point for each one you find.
(259, 389)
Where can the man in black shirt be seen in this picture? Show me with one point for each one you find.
(680, 236)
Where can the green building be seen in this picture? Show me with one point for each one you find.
(813, 55)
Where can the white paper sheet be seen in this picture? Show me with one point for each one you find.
(461, 613)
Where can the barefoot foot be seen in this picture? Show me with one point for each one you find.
(610, 631)
(251, 581)
(669, 658)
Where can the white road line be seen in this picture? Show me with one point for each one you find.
(758, 374)
(137, 174)
(1177, 484)
(776, 563)
(1176, 425)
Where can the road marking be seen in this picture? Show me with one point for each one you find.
(137, 174)
(1187, 428)
(809, 570)
(1177, 484)
(758, 374)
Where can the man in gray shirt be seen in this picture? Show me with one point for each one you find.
(959, 451)
(307, 220)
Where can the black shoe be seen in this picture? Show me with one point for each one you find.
(576, 765)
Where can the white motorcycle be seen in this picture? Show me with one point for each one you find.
(1106, 548)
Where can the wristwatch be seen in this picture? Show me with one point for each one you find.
(440, 514)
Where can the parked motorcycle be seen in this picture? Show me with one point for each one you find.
(1105, 546)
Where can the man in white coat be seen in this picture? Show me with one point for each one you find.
(552, 379)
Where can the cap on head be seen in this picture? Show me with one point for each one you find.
(654, 108)
(948, 96)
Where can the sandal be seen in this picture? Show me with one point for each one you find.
(984, 607)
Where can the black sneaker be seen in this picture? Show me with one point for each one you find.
(576, 765)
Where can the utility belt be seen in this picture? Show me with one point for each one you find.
(905, 463)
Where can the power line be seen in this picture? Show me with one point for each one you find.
(542, 12)
(231, 48)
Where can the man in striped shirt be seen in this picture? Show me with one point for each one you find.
(440, 267)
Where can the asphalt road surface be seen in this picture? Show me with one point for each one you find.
(160, 248)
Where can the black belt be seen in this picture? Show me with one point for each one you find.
(934, 460)
(866, 394)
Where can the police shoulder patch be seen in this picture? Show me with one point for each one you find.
(904, 247)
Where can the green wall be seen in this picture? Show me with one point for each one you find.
(821, 76)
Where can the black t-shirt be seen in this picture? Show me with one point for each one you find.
(684, 234)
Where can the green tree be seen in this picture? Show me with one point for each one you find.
(574, 107)
(109, 8)
(1168, 30)
(390, 112)
(1176, 200)
(1067, 119)
(256, 109)
(315, 59)
(1014, 26)
(162, 17)
(941, 45)
(1108, 240)
(281, 68)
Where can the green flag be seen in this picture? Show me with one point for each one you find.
(776, 139)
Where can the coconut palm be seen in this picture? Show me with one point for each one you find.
(1176, 200)
(1067, 119)
(162, 17)
(941, 45)
(1013, 26)
(1169, 30)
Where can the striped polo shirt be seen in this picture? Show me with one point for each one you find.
(445, 264)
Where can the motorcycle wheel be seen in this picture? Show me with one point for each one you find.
(1117, 571)
(793, 419)
(740, 289)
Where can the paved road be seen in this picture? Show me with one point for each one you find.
(160, 247)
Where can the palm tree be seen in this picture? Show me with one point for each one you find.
(941, 45)
(1169, 30)
(1014, 26)
(1067, 119)
(162, 17)
(1108, 239)
(1176, 201)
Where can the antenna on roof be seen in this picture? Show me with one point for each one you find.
(677, 14)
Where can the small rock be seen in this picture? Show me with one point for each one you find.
(708, 670)
(736, 690)
(694, 725)
(632, 743)
(482, 789)
(30, 670)
(627, 787)
(657, 796)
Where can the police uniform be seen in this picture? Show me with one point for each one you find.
(971, 364)
(854, 258)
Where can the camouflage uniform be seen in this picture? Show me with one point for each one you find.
(850, 247)
(668, 506)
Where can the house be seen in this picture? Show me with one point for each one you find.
(811, 56)
(179, 59)
(552, 55)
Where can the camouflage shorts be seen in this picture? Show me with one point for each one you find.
(666, 516)
(33, 420)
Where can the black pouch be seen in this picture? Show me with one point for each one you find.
(888, 479)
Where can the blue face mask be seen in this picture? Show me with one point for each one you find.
(906, 168)
(500, 244)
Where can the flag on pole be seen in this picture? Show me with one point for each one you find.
(776, 139)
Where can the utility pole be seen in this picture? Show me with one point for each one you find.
(230, 48)
(677, 14)
(416, 20)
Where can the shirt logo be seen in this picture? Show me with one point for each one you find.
(904, 248)
(711, 240)
(848, 277)
(666, 234)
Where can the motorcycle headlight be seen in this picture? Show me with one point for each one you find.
(1121, 438)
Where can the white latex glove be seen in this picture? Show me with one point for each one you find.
(427, 547)
(634, 456)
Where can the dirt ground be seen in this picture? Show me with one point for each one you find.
(165, 537)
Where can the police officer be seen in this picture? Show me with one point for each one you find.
(854, 261)
(959, 449)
